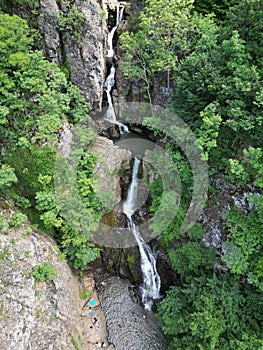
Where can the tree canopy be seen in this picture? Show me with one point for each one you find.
(35, 99)
(211, 52)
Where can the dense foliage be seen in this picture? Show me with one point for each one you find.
(211, 313)
(35, 100)
(211, 55)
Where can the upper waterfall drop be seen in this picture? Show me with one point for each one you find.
(151, 279)
(110, 80)
(119, 18)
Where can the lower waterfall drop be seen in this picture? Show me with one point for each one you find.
(151, 279)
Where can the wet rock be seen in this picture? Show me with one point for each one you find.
(130, 327)
(243, 201)
(112, 4)
(136, 129)
(66, 138)
(212, 217)
(162, 94)
(123, 263)
(167, 274)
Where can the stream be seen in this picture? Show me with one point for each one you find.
(150, 288)
(151, 279)
(130, 325)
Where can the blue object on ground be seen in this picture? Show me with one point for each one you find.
(91, 313)
(92, 302)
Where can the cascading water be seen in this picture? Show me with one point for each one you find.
(119, 17)
(151, 279)
(110, 80)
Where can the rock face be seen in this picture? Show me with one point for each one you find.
(47, 24)
(129, 327)
(112, 160)
(87, 55)
(74, 35)
(48, 314)
(214, 215)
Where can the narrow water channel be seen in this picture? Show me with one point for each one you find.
(151, 279)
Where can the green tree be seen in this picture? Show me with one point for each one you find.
(152, 46)
(72, 22)
(219, 71)
(190, 258)
(209, 130)
(245, 243)
(218, 7)
(35, 97)
(212, 313)
(245, 17)
(7, 178)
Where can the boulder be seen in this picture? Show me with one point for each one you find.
(130, 326)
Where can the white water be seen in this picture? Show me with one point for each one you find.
(151, 279)
(119, 17)
(110, 114)
(110, 81)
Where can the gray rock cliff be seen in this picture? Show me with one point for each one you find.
(77, 43)
(47, 315)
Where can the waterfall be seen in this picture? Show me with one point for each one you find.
(151, 279)
(110, 80)
(119, 17)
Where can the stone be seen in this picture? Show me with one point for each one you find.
(66, 137)
(84, 57)
(112, 160)
(130, 326)
(43, 315)
(47, 25)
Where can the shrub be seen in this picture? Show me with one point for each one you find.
(44, 272)
(17, 219)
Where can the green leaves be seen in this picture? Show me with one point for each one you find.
(190, 258)
(244, 250)
(219, 71)
(14, 37)
(249, 168)
(35, 97)
(212, 313)
(72, 22)
(209, 130)
(152, 46)
(44, 272)
(7, 177)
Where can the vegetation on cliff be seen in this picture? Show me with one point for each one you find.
(35, 100)
(211, 54)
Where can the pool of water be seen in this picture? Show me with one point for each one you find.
(136, 143)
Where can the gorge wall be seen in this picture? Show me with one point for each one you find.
(73, 34)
